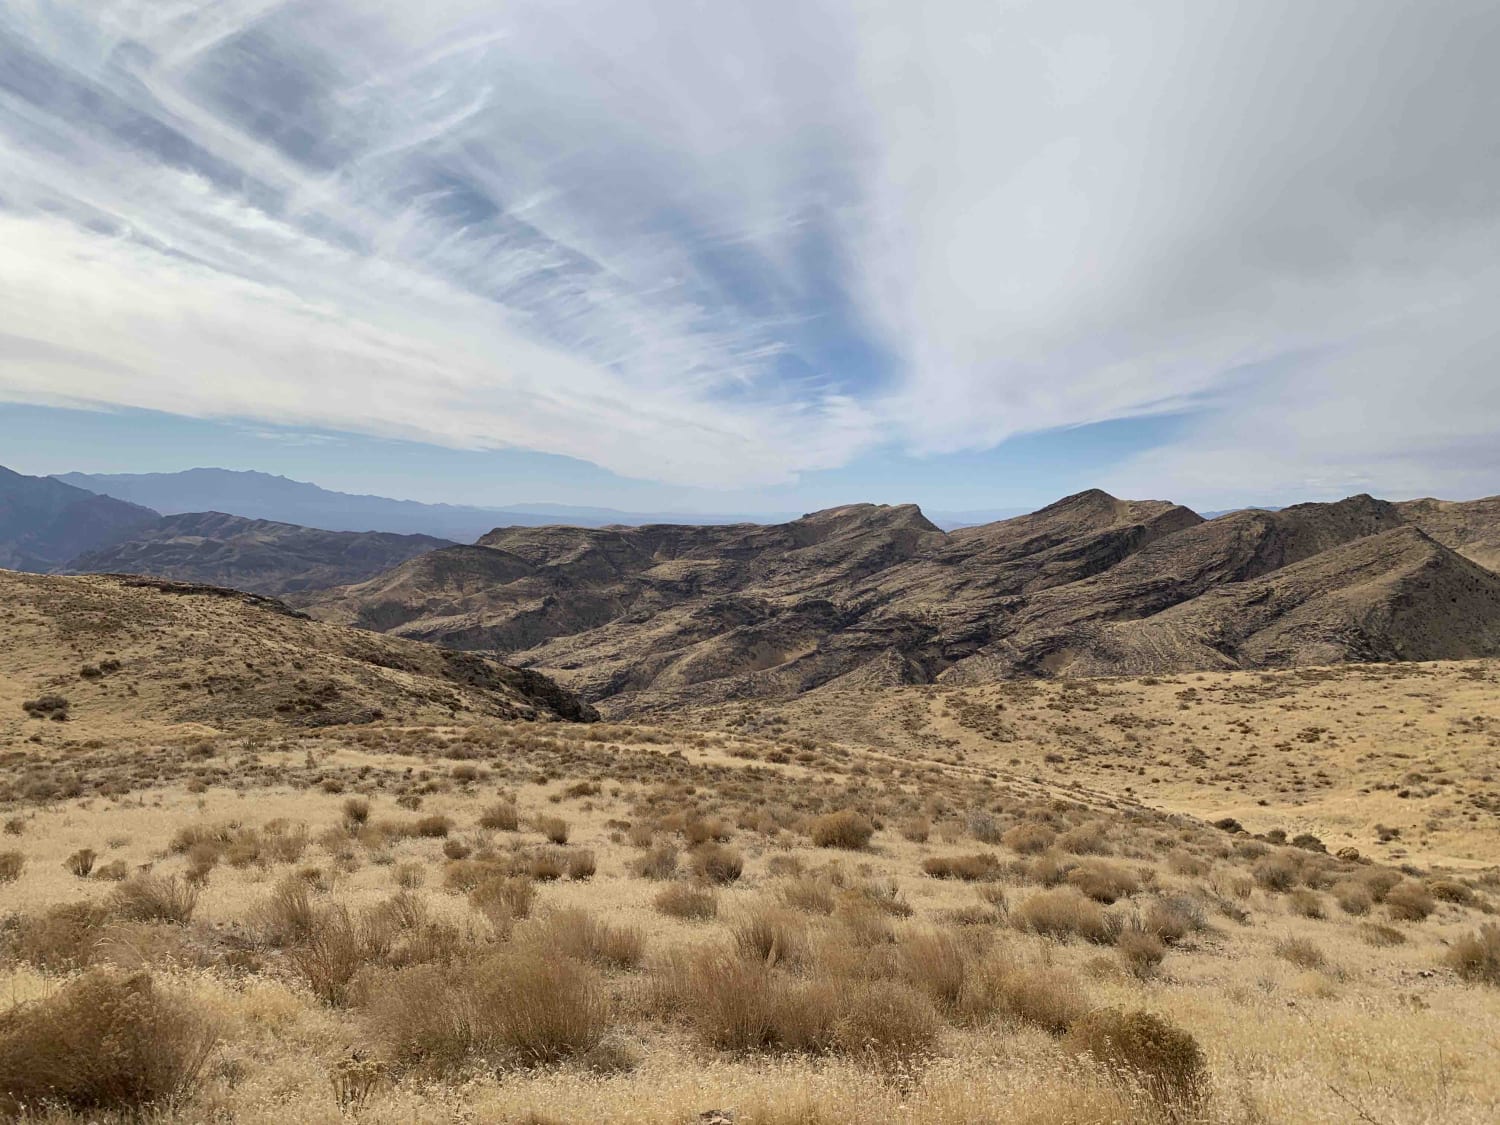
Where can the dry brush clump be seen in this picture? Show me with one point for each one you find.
(105, 1042)
(1065, 912)
(1476, 957)
(1144, 1049)
(846, 829)
(971, 868)
(688, 902)
(517, 1007)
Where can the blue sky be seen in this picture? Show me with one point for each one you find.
(756, 257)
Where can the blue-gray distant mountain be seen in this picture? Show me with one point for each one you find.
(257, 556)
(263, 496)
(44, 522)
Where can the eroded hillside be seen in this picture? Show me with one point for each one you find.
(658, 617)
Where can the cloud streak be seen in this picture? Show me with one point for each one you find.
(727, 244)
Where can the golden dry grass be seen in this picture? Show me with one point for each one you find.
(385, 922)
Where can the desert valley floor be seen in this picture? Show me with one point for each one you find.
(281, 871)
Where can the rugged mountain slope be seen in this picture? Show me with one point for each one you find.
(1395, 595)
(667, 615)
(1470, 527)
(133, 650)
(259, 556)
(44, 522)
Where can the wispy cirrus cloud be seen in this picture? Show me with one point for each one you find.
(725, 244)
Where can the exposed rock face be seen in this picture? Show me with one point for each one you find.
(260, 556)
(138, 649)
(661, 615)
(44, 522)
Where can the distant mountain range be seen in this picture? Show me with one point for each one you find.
(266, 497)
(263, 496)
(45, 522)
(668, 614)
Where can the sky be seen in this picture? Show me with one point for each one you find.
(756, 256)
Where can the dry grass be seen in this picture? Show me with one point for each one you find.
(357, 970)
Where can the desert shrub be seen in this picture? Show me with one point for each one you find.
(1451, 890)
(702, 829)
(582, 864)
(1276, 872)
(771, 936)
(1172, 919)
(115, 871)
(104, 1042)
(659, 862)
(81, 862)
(741, 1006)
(409, 876)
(153, 898)
(434, 826)
(61, 938)
(1143, 1048)
(1378, 881)
(580, 935)
(1409, 902)
(887, 1024)
(981, 865)
(1180, 862)
(1300, 952)
(862, 924)
(1049, 998)
(454, 848)
(917, 829)
(503, 900)
(984, 827)
(1089, 838)
(683, 900)
(1062, 913)
(1141, 952)
(1029, 839)
(47, 707)
(940, 966)
(718, 863)
(356, 811)
(843, 829)
(1309, 904)
(12, 863)
(547, 866)
(1381, 937)
(286, 916)
(328, 959)
(501, 817)
(884, 898)
(554, 828)
(1103, 881)
(1476, 957)
(812, 894)
(520, 1006)
(1353, 897)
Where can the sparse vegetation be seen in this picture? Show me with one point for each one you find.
(377, 924)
